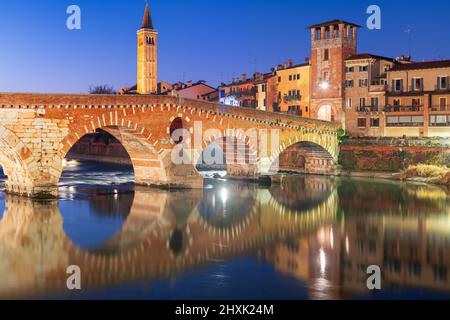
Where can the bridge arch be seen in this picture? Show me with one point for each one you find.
(16, 160)
(151, 162)
(306, 153)
(235, 152)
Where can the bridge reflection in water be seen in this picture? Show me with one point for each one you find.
(314, 229)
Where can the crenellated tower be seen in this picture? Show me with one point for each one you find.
(331, 42)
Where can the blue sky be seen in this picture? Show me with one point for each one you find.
(210, 40)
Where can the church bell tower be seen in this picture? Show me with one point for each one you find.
(147, 60)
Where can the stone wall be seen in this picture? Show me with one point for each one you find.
(392, 155)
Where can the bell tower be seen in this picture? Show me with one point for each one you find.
(147, 60)
(331, 42)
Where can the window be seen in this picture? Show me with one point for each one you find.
(298, 77)
(349, 103)
(349, 83)
(363, 83)
(374, 104)
(397, 85)
(363, 68)
(362, 102)
(442, 104)
(375, 122)
(383, 82)
(442, 83)
(405, 121)
(326, 55)
(317, 34)
(279, 79)
(290, 78)
(265, 102)
(263, 88)
(439, 121)
(417, 84)
(150, 40)
(349, 69)
(362, 122)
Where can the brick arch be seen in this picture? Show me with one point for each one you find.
(103, 122)
(239, 166)
(17, 162)
(328, 159)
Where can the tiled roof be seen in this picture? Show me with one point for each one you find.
(361, 56)
(333, 22)
(422, 65)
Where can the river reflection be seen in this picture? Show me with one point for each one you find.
(307, 238)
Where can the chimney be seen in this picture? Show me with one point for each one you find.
(244, 77)
(290, 63)
(189, 83)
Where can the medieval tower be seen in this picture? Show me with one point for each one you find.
(331, 42)
(147, 60)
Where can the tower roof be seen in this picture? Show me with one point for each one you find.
(147, 21)
(333, 22)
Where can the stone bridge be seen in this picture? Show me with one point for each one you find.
(38, 130)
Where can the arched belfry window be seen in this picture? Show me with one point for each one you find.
(150, 40)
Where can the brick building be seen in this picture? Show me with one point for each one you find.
(331, 43)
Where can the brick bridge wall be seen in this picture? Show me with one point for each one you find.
(38, 130)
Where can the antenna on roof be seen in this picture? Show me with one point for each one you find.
(409, 32)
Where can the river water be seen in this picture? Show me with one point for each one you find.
(310, 237)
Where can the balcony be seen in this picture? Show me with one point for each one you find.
(243, 93)
(440, 108)
(393, 109)
(368, 109)
(378, 86)
(292, 98)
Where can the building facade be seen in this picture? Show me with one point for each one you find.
(365, 93)
(293, 89)
(418, 100)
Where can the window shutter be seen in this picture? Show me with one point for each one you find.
(401, 85)
(413, 87)
(438, 86)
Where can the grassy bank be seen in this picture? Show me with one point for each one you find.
(431, 174)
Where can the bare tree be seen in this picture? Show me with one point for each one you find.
(102, 89)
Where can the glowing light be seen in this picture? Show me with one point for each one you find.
(347, 245)
(331, 238)
(324, 85)
(322, 261)
(224, 195)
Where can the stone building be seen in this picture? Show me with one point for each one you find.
(365, 93)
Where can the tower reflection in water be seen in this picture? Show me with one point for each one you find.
(320, 231)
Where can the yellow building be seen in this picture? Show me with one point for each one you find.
(293, 89)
